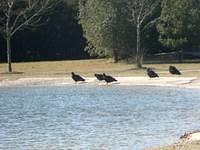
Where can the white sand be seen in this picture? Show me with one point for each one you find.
(189, 137)
(195, 136)
(185, 82)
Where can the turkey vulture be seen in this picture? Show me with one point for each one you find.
(151, 73)
(100, 77)
(174, 70)
(108, 78)
(77, 77)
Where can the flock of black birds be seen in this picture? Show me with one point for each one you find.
(172, 69)
(108, 79)
(100, 77)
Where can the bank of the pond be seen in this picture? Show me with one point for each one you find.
(189, 141)
(184, 82)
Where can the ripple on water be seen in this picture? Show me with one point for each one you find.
(90, 117)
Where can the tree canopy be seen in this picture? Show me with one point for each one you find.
(179, 23)
(105, 28)
(59, 37)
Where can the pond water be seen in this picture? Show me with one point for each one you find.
(82, 117)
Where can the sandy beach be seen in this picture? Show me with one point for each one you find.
(183, 82)
(188, 141)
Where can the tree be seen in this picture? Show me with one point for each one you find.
(17, 15)
(95, 20)
(178, 24)
(122, 31)
(141, 12)
(107, 31)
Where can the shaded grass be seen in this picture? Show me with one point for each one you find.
(89, 67)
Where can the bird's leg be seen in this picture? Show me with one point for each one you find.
(109, 84)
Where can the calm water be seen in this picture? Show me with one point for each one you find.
(95, 117)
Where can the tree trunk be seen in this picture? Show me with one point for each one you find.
(8, 37)
(8, 41)
(116, 56)
(138, 50)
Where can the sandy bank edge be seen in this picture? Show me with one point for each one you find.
(188, 141)
(185, 82)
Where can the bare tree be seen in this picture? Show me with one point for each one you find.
(17, 15)
(140, 13)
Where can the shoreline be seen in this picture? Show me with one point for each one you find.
(188, 141)
(181, 82)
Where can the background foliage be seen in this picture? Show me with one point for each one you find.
(80, 29)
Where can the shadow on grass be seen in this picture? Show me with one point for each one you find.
(136, 69)
(11, 73)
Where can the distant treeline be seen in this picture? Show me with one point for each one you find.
(80, 29)
(59, 38)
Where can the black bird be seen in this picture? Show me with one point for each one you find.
(174, 70)
(77, 77)
(108, 78)
(151, 73)
(100, 77)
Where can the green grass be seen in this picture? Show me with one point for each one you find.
(89, 67)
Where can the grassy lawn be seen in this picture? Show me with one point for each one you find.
(89, 67)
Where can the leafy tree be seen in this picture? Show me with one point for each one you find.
(17, 15)
(123, 31)
(141, 12)
(95, 19)
(150, 35)
(105, 27)
(59, 38)
(179, 23)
